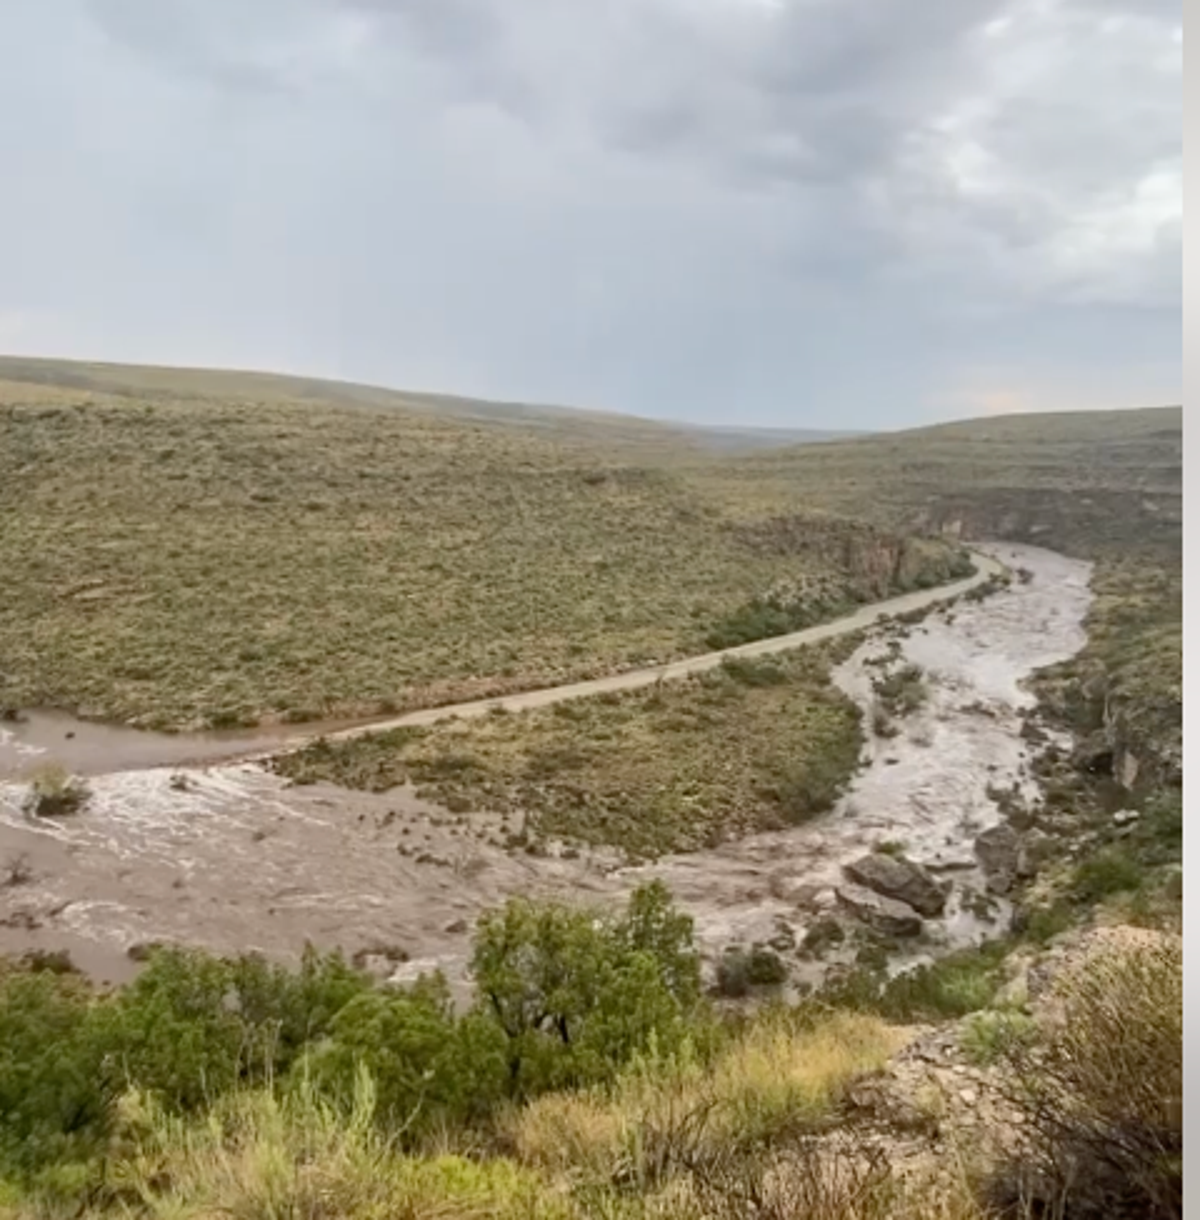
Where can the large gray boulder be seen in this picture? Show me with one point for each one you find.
(883, 915)
(999, 852)
(896, 877)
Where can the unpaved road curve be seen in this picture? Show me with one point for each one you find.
(87, 748)
(986, 568)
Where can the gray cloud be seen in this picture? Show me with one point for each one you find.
(790, 211)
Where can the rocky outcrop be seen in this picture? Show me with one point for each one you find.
(883, 915)
(901, 879)
(999, 852)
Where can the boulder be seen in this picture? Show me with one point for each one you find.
(896, 877)
(883, 915)
(999, 851)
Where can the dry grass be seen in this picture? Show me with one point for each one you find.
(255, 1156)
(1103, 1091)
(174, 558)
(664, 768)
(665, 1119)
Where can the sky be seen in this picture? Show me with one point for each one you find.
(808, 213)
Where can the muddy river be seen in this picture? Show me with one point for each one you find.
(229, 857)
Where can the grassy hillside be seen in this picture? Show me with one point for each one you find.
(1074, 479)
(1106, 486)
(184, 554)
(566, 425)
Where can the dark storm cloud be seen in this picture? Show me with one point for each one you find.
(715, 208)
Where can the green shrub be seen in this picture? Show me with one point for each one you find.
(952, 986)
(766, 967)
(739, 970)
(653, 925)
(902, 691)
(577, 996)
(1041, 924)
(1102, 1092)
(991, 1035)
(431, 1069)
(1110, 871)
(758, 619)
(803, 789)
(53, 1103)
(54, 792)
(284, 1010)
(733, 974)
(824, 934)
(1157, 837)
(749, 672)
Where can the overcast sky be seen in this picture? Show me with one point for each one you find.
(850, 213)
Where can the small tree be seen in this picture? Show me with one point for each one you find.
(577, 996)
(430, 1067)
(53, 1104)
(652, 925)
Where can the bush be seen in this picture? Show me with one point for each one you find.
(54, 792)
(750, 672)
(1103, 1092)
(803, 790)
(53, 1103)
(16, 870)
(758, 619)
(1041, 924)
(989, 1036)
(191, 1026)
(577, 996)
(824, 934)
(938, 991)
(740, 970)
(901, 692)
(953, 986)
(1110, 871)
(882, 724)
(1157, 837)
(431, 1069)
(653, 925)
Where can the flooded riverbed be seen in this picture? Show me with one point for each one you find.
(229, 857)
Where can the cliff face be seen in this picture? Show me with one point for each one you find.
(1081, 523)
(875, 562)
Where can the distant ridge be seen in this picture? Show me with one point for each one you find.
(563, 423)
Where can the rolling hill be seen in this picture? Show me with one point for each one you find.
(213, 549)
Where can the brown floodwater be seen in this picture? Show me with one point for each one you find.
(229, 856)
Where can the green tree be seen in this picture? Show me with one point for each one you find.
(53, 1103)
(653, 925)
(175, 1030)
(283, 1010)
(430, 1067)
(577, 995)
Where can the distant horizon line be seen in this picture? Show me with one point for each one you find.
(527, 404)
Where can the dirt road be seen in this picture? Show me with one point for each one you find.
(986, 567)
(87, 748)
